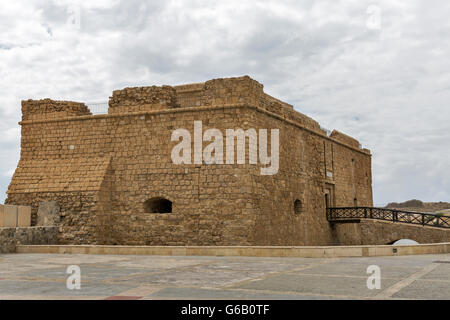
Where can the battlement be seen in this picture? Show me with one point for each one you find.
(213, 93)
(51, 109)
(142, 99)
(238, 91)
(342, 137)
(216, 92)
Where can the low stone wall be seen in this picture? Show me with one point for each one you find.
(10, 237)
(243, 251)
(375, 232)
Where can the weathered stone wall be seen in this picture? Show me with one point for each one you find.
(305, 158)
(101, 169)
(142, 99)
(51, 109)
(10, 237)
(371, 232)
(78, 215)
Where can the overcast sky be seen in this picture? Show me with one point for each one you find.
(377, 70)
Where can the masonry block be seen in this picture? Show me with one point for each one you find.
(142, 99)
(23, 216)
(48, 213)
(10, 216)
(47, 109)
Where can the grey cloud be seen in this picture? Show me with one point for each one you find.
(389, 87)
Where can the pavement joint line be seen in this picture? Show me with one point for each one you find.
(30, 279)
(111, 281)
(435, 280)
(390, 291)
(340, 276)
(148, 273)
(141, 291)
(265, 291)
(297, 293)
(272, 274)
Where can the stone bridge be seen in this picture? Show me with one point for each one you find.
(378, 226)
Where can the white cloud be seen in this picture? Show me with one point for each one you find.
(9, 173)
(389, 88)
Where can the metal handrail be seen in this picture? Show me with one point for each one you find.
(342, 214)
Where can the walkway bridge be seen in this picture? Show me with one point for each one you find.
(355, 214)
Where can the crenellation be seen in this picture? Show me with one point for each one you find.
(345, 139)
(142, 99)
(51, 109)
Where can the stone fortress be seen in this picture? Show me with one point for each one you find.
(113, 181)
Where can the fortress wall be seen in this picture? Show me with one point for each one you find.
(227, 204)
(373, 232)
(64, 161)
(211, 203)
(78, 213)
(299, 178)
(11, 237)
(352, 177)
(107, 166)
(305, 157)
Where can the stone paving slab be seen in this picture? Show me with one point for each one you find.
(316, 284)
(43, 276)
(426, 290)
(182, 293)
(339, 269)
(441, 273)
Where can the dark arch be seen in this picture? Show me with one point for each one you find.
(158, 205)
(298, 206)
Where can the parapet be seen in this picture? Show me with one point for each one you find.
(223, 91)
(50, 109)
(142, 99)
(241, 90)
(214, 93)
(342, 137)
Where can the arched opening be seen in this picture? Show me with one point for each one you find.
(298, 207)
(400, 242)
(158, 205)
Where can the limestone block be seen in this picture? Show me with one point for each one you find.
(10, 216)
(48, 213)
(23, 216)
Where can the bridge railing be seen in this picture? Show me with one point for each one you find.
(342, 214)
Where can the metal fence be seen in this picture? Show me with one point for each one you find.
(98, 107)
(346, 214)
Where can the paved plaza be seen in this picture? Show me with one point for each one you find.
(44, 276)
